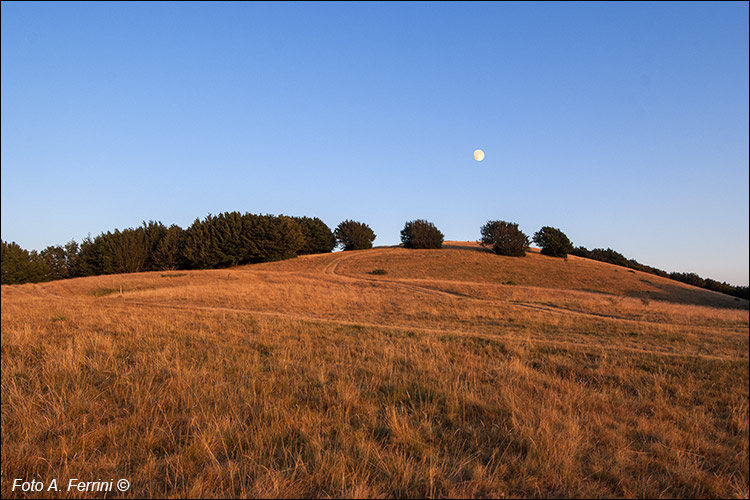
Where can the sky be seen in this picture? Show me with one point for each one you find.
(625, 125)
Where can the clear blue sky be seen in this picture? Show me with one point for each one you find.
(623, 124)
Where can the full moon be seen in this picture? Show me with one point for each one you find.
(479, 155)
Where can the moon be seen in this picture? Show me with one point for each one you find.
(479, 155)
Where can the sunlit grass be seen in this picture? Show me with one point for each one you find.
(314, 378)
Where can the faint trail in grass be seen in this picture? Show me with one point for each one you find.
(527, 339)
(331, 269)
(565, 311)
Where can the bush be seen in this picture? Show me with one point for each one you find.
(504, 238)
(553, 242)
(421, 234)
(354, 235)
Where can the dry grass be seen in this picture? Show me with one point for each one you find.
(315, 378)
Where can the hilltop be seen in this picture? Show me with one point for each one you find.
(468, 263)
(453, 372)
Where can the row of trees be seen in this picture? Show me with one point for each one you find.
(21, 266)
(223, 240)
(505, 238)
(613, 257)
(231, 239)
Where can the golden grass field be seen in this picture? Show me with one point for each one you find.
(459, 373)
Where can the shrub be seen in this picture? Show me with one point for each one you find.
(504, 238)
(421, 234)
(553, 242)
(378, 271)
(354, 235)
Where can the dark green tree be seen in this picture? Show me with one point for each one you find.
(318, 236)
(227, 239)
(504, 238)
(20, 266)
(271, 237)
(71, 257)
(167, 252)
(421, 234)
(95, 256)
(553, 242)
(354, 235)
(154, 232)
(129, 250)
(231, 239)
(54, 257)
(201, 248)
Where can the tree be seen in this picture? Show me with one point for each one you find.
(129, 250)
(154, 232)
(421, 234)
(71, 257)
(61, 260)
(271, 237)
(94, 256)
(166, 255)
(231, 239)
(504, 238)
(197, 250)
(553, 242)
(318, 236)
(54, 258)
(354, 235)
(20, 266)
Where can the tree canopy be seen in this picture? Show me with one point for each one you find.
(353, 235)
(504, 238)
(421, 234)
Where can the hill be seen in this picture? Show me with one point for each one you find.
(456, 373)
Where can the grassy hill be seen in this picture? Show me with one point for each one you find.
(457, 373)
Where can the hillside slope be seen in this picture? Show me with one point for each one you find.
(457, 373)
(468, 262)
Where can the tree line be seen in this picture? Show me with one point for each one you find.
(231, 239)
(224, 240)
(618, 259)
(505, 238)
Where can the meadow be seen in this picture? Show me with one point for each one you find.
(447, 373)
